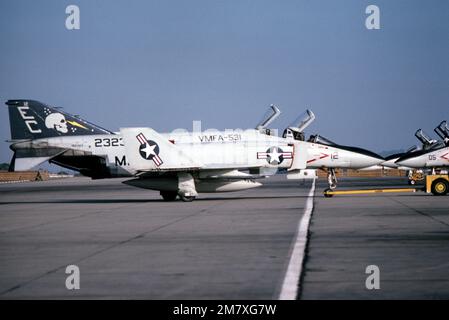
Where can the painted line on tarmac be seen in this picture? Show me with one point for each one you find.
(290, 285)
(13, 181)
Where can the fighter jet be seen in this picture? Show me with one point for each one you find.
(434, 155)
(390, 160)
(179, 163)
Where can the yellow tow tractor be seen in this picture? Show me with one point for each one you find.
(437, 184)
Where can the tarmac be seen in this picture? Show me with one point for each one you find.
(406, 235)
(129, 244)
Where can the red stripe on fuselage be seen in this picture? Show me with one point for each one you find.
(322, 157)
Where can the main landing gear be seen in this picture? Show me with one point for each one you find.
(169, 195)
(415, 176)
(186, 189)
(187, 198)
(172, 195)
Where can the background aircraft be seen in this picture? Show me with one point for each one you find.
(415, 173)
(434, 156)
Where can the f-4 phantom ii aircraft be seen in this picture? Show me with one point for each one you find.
(434, 154)
(414, 174)
(391, 160)
(179, 163)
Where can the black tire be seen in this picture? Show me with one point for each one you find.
(326, 194)
(169, 195)
(440, 187)
(187, 198)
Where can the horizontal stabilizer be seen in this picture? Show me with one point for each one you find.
(26, 157)
(26, 164)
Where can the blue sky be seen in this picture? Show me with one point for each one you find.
(163, 64)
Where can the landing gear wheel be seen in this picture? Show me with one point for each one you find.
(169, 195)
(416, 176)
(332, 178)
(326, 193)
(187, 198)
(440, 187)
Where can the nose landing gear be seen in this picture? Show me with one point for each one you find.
(332, 178)
(415, 176)
(332, 181)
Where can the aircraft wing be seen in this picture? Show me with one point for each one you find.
(232, 174)
(205, 174)
(229, 166)
(147, 150)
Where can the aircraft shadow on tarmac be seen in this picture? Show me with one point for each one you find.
(106, 201)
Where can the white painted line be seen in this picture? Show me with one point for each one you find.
(290, 285)
(14, 181)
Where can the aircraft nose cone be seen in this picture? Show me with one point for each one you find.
(368, 161)
(415, 159)
(411, 162)
(390, 164)
(362, 158)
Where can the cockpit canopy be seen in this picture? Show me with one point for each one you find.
(442, 130)
(296, 129)
(425, 139)
(302, 121)
(321, 140)
(270, 115)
